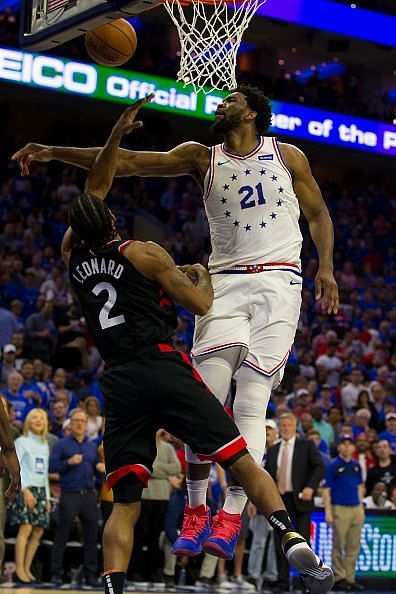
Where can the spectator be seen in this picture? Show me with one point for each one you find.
(7, 365)
(325, 429)
(343, 497)
(390, 432)
(8, 325)
(59, 415)
(350, 392)
(30, 388)
(30, 511)
(21, 404)
(326, 399)
(329, 366)
(335, 418)
(95, 420)
(77, 460)
(363, 454)
(378, 396)
(41, 332)
(378, 498)
(57, 389)
(314, 435)
(297, 467)
(385, 470)
(362, 420)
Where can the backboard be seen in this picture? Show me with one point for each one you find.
(48, 23)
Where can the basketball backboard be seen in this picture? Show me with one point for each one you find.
(48, 23)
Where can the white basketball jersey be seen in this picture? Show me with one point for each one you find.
(252, 209)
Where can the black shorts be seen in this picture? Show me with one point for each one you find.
(161, 390)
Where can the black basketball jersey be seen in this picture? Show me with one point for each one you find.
(124, 310)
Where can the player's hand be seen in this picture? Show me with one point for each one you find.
(10, 461)
(76, 459)
(126, 122)
(191, 272)
(29, 153)
(327, 290)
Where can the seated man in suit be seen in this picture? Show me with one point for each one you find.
(297, 467)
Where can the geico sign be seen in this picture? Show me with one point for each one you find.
(46, 71)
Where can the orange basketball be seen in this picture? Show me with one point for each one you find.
(113, 44)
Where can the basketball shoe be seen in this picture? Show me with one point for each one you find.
(194, 532)
(317, 576)
(223, 538)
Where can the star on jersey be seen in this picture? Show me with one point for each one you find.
(224, 200)
(226, 187)
(248, 171)
(279, 203)
(273, 216)
(280, 190)
(247, 227)
(273, 177)
(263, 171)
(227, 213)
(263, 225)
(234, 177)
(236, 223)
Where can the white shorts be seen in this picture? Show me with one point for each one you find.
(257, 313)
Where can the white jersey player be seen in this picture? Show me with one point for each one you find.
(253, 190)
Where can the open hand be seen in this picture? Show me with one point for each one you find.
(126, 123)
(29, 153)
(326, 288)
(10, 461)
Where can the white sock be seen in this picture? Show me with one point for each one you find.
(235, 500)
(197, 492)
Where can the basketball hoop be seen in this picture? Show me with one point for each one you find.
(210, 33)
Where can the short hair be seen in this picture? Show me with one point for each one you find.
(288, 415)
(74, 411)
(91, 220)
(259, 103)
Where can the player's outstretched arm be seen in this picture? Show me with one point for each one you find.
(102, 172)
(320, 224)
(155, 263)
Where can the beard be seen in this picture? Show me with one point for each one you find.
(225, 124)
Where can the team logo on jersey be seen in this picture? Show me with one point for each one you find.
(266, 157)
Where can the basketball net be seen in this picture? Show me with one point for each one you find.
(210, 33)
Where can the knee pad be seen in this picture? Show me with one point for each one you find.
(253, 392)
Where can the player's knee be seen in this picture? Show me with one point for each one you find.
(216, 372)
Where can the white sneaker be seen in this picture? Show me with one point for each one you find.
(318, 577)
(241, 584)
(223, 583)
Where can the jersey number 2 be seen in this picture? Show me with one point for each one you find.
(104, 320)
(249, 191)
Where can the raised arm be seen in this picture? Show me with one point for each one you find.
(319, 221)
(156, 264)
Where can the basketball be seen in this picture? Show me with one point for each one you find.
(113, 44)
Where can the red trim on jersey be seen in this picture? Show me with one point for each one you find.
(211, 172)
(243, 157)
(122, 247)
(141, 472)
(281, 161)
(164, 299)
(227, 451)
(165, 348)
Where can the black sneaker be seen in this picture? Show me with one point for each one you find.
(355, 587)
(341, 586)
(56, 579)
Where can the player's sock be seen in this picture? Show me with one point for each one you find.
(114, 581)
(235, 500)
(282, 525)
(197, 492)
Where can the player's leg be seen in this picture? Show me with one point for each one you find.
(253, 392)
(129, 451)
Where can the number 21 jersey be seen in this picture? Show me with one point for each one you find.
(251, 207)
(124, 310)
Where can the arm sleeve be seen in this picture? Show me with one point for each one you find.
(20, 448)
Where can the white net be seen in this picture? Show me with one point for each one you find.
(210, 33)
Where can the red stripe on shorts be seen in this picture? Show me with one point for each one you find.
(195, 373)
(141, 472)
(226, 452)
